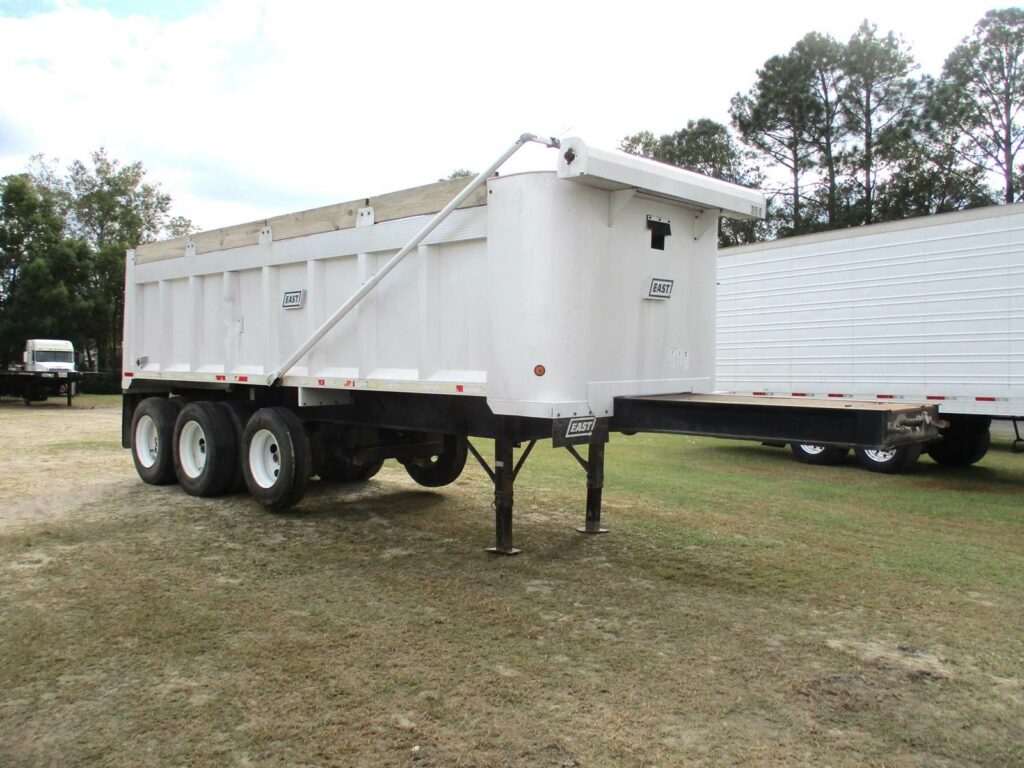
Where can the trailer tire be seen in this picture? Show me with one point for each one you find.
(205, 450)
(277, 459)
(440, 469)
(153, 439)
(238, 414)
(891, 462)
(822, 455)
(960, 449)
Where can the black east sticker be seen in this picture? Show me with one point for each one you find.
(660, 288)
(581, 426)
(293, 299)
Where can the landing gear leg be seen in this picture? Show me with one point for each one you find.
(504, 483)
(504, 477)
(594, 467)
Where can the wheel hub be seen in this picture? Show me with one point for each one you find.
(192, 449)
(147, 446)
(264, 458)
(879, 455)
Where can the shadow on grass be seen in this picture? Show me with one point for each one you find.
(54, 403)
(359, 500)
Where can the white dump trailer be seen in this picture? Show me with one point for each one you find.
(926, 310)
(559, 304)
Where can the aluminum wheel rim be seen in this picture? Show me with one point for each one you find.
(880, 456)
(147, 444)
(264, 458)
(812, 450)
(192, 449)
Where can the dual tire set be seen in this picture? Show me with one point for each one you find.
(215, 447)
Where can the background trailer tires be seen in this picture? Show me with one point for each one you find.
(808, 453)
(891, 461)
(964, 442)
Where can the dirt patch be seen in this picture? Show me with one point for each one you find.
(916, 661)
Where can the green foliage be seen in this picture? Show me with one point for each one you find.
(108, 203)
(703, 146)
(932, 176)
(843, 134)
(778, 117)
(878, 101)
(29, 227)
(63, 238)
(48, 280)
(981, 94)
(822, 56)
(459, 173)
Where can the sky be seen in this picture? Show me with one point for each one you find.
(245, 109)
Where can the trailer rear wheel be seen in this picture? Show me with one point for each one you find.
(277, 458)
(960, 449)
(890, 462)
(205, 450)
(809, 453)
(153, 439)
(238, 413)
(439, 469)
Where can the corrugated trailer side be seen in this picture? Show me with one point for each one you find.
(927, 310)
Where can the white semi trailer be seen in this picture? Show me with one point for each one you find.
(926, 310)
(561, 304)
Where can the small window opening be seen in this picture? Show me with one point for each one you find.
(660, 229)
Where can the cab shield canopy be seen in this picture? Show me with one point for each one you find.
(619, 171)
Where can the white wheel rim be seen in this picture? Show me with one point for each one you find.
(812, 450)
(147, 444)
(264, 458)
(192, 449)
(880, 456)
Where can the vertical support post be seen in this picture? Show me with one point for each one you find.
(504, 479)
(595, 484)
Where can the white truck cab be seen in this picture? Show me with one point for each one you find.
(44, 355)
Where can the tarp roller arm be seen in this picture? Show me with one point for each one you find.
(393, 262)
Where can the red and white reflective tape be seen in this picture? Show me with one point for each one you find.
(979, 398)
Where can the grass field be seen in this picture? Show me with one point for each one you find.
(744, 610)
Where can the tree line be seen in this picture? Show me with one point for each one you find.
(837, 134)
(63, 237)
(843, 134)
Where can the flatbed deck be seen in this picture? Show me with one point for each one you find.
(778, 419)
(39, 385)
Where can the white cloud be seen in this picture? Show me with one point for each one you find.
(250, 109)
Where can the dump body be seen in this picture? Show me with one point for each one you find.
(926, 310)
(549, 295)
(320, 344)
